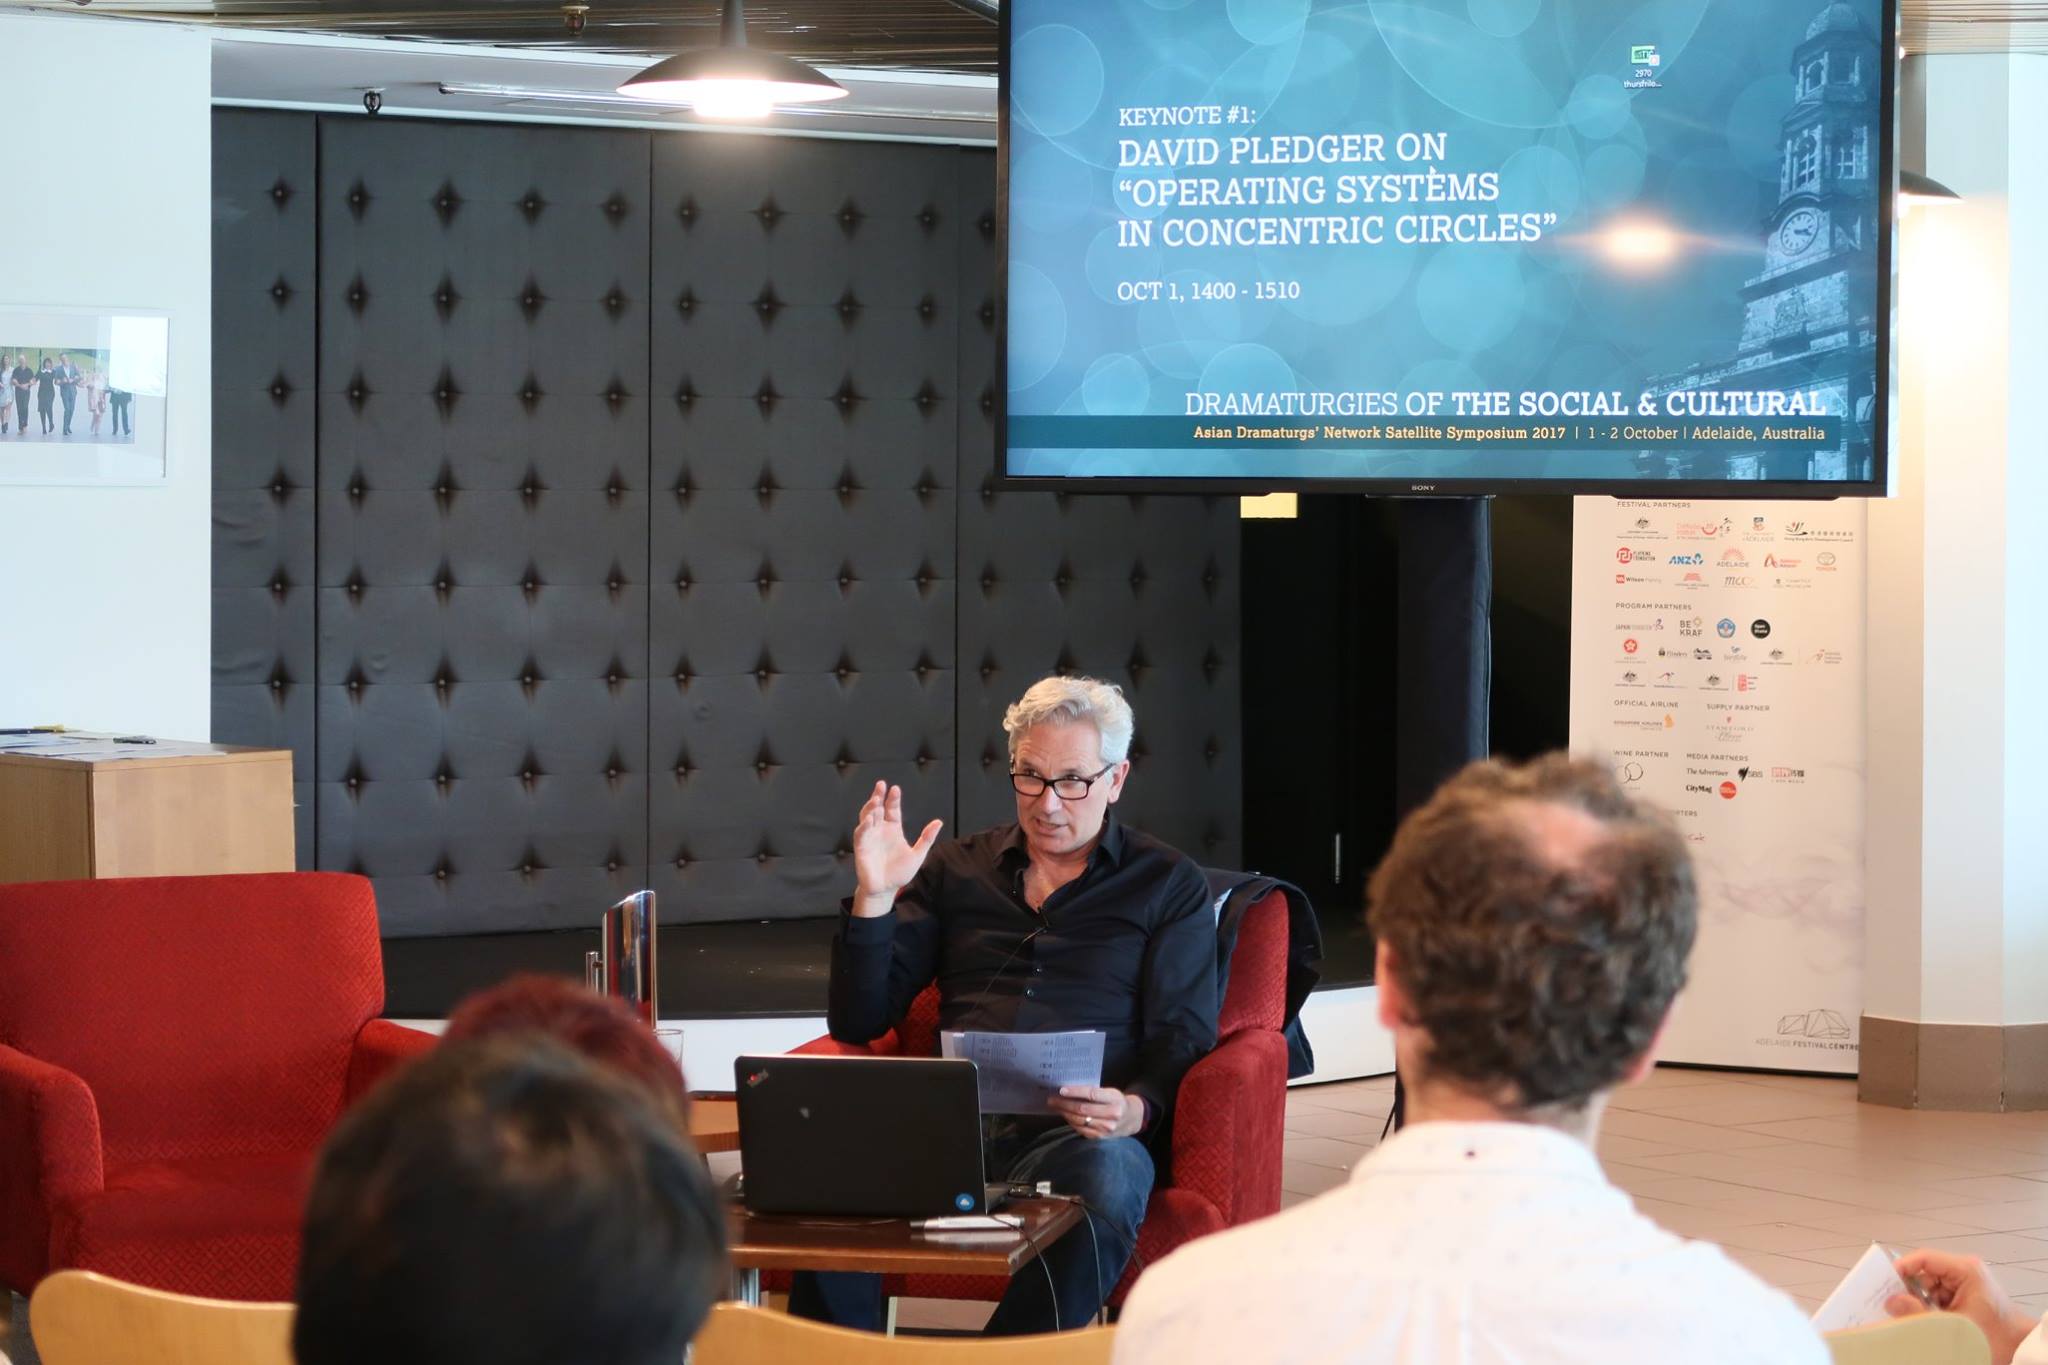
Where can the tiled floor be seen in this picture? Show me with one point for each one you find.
(1791, 1175)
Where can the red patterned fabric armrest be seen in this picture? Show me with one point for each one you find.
(828, 1046)
(1227, 1129)
(381, 1047)
(49, 1156)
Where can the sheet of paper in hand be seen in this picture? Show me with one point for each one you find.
(1020, 1072)
(1858, 1301)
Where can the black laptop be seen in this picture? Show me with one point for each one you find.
(878, 1137)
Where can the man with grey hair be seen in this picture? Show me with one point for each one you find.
(1063, 920)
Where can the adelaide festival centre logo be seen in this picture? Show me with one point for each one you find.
(1824, 1025)
(1734, 558)
(1760, 628)
(1725, 628)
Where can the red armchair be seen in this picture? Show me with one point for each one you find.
(1224, 1168)
(173, 1050)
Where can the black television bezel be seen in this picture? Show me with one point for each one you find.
(1877, 486)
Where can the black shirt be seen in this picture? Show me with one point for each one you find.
(1128, 947)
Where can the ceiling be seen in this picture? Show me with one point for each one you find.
(937, 35)
(1974, 25)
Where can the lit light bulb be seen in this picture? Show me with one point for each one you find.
(732, 99)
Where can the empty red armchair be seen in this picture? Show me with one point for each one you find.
(1228, 1120)
(173, 1050)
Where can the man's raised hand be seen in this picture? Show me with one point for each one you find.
(883, 860)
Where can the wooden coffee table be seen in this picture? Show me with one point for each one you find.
(715, 1125)
(888, 1246)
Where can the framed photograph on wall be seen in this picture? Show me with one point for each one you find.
(86, 393)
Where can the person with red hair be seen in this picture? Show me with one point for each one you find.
(596, 1026)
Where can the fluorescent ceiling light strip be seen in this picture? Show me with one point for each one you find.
(609, 100)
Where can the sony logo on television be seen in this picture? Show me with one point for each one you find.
(1422, 488)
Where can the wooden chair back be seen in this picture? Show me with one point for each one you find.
(756, 1336)
(1924, 1339)
(80, 1318)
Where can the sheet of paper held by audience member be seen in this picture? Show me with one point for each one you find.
(1020, 1073)
(1859, 1300)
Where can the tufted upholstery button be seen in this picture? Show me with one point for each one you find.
(529, 490)
(686, 303)
(685, 396)
(612, 772)
(986, 224)
(614, 301)
(761, 766)
(929, 218)
(530, 299)
(765, 395)
(277, 684)
(531, 585)
(924, 488)
(762, 857)
(687, 211)
(612, 678)
(532, 204)
(849, 216)
(530, 394)
(682, 863)
(848, 305)
(927, 307)
(763, 582)
(761, 675)
(446, 202)
(358, 198)
(769, 215)
(280, 194)
(526, 679)
(279, 488)
(526, 869)
(766, 304)
(279, 389)
(280, 290)
(845, 581)
(526, 776)
(988, 760)
(988, 312)
(615, 207)
(611, 864)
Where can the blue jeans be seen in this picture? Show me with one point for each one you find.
(1112, 1177)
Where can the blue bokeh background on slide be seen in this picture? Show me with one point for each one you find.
(1531, 88)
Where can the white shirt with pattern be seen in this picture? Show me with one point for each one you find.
(1466, 1244)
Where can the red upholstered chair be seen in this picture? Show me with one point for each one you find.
(172, 1052)
(1227, 1122)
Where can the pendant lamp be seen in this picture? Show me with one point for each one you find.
(732, 80)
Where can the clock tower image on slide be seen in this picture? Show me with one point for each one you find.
(1807, 326)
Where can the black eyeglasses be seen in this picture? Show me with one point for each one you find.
(1065, 788)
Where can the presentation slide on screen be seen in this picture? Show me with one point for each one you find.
(1462, 240)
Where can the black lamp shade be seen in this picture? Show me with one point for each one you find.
(709, 72)
(1913, 184)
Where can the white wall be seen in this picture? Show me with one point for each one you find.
(106, 591)
(1958, 861)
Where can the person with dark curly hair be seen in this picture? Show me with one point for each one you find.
(1533, 927)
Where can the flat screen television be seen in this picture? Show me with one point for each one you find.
(1447, 246)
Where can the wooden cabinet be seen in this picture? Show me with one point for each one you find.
(85, 806)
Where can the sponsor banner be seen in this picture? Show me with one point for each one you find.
(1717, 664)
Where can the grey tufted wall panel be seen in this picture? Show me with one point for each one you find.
(1142, 591)
(803, 518)
(264, 201)
(650, 472)
(483, 520)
